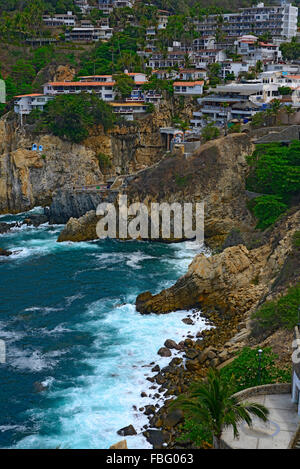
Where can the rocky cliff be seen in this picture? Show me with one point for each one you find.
(215, 175)
(235, 280)
(29, 178)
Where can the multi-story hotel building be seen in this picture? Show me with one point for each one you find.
(279, 20)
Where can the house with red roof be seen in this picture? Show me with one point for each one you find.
(188, 88)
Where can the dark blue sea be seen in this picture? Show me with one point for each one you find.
(68, 320)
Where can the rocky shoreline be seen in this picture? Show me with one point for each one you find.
(228, 287)
(188, 358)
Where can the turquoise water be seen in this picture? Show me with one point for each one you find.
(67, 316)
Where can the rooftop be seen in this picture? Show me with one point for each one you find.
(187, 83)
(29, 95)
(81, 83)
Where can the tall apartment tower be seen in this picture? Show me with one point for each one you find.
(279, 20)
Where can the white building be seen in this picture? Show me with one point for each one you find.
(278, 20)
(188, 88)
(163, 17)
(107, 6)
(105, 89)
(59, 20)
(203, 58)
(229, 67)
(83, 5)
(89, 34)
(26, 103)
(192, 74)
(129, 110)
(252, 50)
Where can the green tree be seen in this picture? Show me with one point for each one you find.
(267, 209)
(290, 50)
(123, 85)
(214, 73)
(210, 132)
(71, 116)
(212, 404)
(290, 111)
(285, 90)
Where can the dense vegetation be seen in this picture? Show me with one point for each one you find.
(290, 50)
(275, 173)
(71, 116)
(245, 369)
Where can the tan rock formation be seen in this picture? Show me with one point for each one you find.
(215, 175)
(120, 445)
(234, 280)
(64, 73)
(29, 178)
(81, 229)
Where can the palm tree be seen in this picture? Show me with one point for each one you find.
(275, 106)
(289, 110)
(212, 404)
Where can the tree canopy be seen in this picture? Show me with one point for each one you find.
(71, 116)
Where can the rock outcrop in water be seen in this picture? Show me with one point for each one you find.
(5, 253)
(70, 204)
(235, 280)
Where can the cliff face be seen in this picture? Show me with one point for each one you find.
(29, 178)
(138, 144)
(215, 175)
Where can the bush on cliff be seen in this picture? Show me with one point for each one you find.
(71, 116)
(275, 172)
(267, 209)
(283, 312)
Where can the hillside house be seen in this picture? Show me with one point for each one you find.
(188, 88)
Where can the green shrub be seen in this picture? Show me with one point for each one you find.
(104, 161)
(210, 132)
(236, 128)
(71, 116)
(296, 239)
(150, 108)
(195, 432)
(245, 369)
(281, 313)
(275, 172)
(267, 209)
(181, 181)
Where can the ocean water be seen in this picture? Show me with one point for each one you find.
(68, 319)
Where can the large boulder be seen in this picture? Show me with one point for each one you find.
(120, 445)
(5, 227)
(173, 418)
(126, 431)
(5, 253)
(164, 352)
(171, 344)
